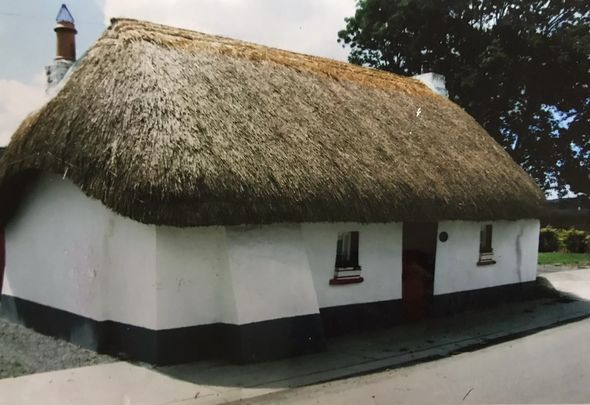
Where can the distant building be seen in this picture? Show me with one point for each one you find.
(188, 196)
(573, 212)
(579, 203)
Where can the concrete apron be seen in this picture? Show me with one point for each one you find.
(574, 282)
(211, 383)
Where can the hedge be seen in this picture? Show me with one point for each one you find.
(571, 240)
(549, 240)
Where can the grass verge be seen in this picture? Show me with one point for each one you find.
(569, 259)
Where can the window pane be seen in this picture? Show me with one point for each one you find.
(482, 238)
(485, 239)
(339, 251)
(346, 247)
(489, 238)
(347, 250)
(354, 249)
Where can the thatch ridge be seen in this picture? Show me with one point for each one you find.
(175, 127)
(133, 30)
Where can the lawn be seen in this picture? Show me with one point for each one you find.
(569, 259)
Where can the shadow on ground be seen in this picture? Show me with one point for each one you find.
(405, 344)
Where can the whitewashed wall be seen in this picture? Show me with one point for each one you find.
(193, 277)
(234, 275)
(515, 245)
(380, 257)
(69, 252)
(270, 273)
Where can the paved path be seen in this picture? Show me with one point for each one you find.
(209, 383)
(575, 282)
(548, 367)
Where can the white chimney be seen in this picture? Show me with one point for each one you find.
(435, 81)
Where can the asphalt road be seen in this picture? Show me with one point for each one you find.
(549, 367)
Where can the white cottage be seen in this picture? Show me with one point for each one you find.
(186, 196)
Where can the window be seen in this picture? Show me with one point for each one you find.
(485, 245)
(347, 269)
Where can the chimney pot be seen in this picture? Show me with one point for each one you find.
(65, 54)
(66, 35)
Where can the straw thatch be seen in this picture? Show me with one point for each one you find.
(169, 126)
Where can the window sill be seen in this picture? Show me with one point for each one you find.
(346, 280)
(347, 275)
(486, 262)
(352, 268)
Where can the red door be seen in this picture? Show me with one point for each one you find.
(415, 292)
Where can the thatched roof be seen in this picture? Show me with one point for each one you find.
(170, 126)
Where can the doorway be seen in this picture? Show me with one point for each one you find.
(418, 264)
(2, 257)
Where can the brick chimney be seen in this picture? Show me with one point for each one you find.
(65, 54)
(66, 35)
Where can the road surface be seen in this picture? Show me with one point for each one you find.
(549, 367)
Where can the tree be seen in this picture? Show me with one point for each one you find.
(520, 68)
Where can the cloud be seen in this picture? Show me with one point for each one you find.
(307, 26)
(17, 100)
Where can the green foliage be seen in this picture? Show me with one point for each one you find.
(520, 67)
(571, 240)
(549, 240)
(568, 259)
(575, 241)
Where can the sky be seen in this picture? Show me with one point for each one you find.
(27, 40)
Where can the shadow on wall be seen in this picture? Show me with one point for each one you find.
(519, 253)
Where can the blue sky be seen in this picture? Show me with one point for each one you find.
(27, 40)
(33, 21)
